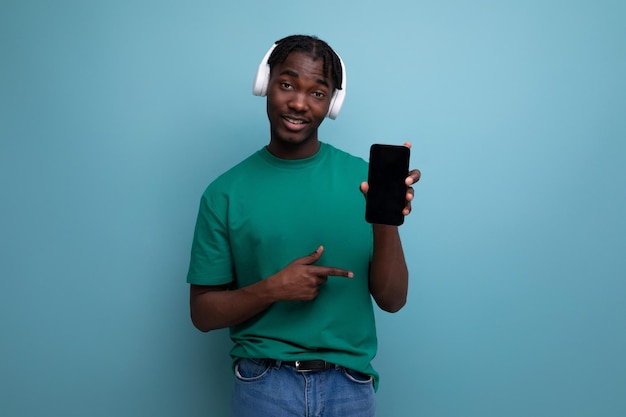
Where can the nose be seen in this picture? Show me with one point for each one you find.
(298, 102)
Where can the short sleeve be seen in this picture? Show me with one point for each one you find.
(211, 259)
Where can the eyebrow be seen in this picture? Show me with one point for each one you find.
(296, 75)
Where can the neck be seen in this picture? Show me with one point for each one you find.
(287, 150)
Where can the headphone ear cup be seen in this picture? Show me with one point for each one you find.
(261, 81)
(336, 102)
(262, 77)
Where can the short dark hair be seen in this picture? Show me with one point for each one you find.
(313, 46)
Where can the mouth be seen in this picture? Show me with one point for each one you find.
(295, 123)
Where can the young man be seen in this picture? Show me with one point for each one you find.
(283, 256)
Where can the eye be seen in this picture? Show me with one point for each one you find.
(319, 94)
(285, 85)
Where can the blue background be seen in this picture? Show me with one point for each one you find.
(115, 115)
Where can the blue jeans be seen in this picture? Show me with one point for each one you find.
(266, 388)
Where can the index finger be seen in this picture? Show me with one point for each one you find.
(413, 177)
(332, 271)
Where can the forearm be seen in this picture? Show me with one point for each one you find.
(219, 308)
(388, 271)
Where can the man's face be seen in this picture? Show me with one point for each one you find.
(298, 98)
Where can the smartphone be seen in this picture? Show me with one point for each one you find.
(386, 197)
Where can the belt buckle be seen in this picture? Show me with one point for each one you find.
(298, 364)
(311, 365)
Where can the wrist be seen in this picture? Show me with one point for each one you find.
(264, 291)
(383, 229)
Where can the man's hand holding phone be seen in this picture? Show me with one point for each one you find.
(388, 190)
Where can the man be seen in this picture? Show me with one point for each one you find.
(283, 256)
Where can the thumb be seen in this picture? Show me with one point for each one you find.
(310, 258)
(364, 187)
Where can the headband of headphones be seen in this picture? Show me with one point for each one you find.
(262, 80)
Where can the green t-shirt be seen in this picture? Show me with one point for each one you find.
(261, 215)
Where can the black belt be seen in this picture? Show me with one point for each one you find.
(313, 365)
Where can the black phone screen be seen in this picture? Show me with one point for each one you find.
(386, 197)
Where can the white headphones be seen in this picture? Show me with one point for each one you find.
(262, 80)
